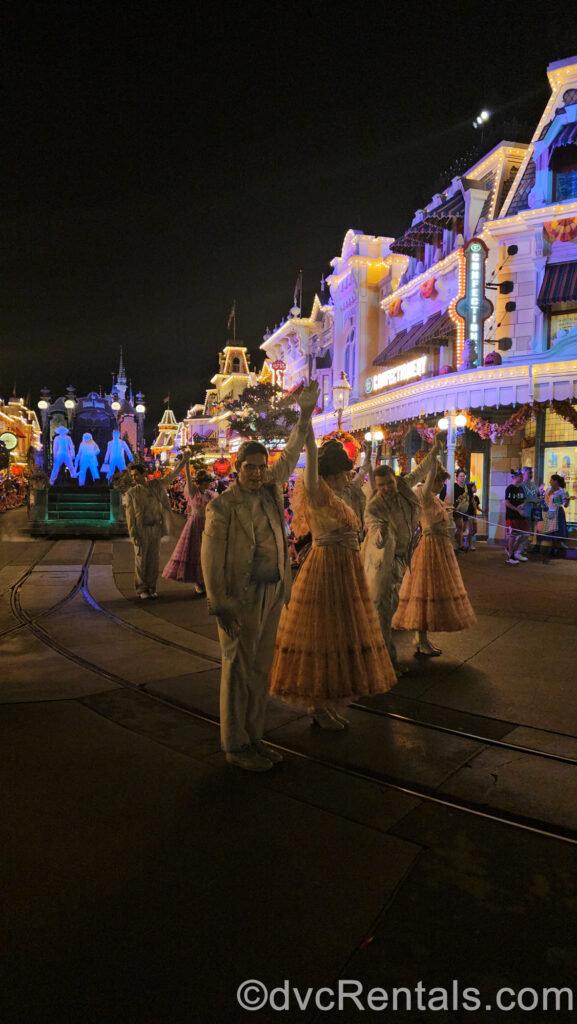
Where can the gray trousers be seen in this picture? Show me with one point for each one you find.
(146, 558)
(246, 664)
(388, 602)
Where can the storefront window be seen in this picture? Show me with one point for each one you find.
(558, 430)
(562, 460)
(476, 474)
(561, 323)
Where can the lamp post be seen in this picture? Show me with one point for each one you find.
(341, 394)
(44, 404)
(451, 422)
(376, 438)
(140, 410)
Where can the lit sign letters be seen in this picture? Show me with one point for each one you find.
(473, 308)
(406, 371)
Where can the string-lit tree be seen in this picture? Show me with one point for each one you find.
(259, 413)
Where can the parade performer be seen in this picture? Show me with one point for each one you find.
(147, 511)
(329, 648)
(117, 451)
(246, 568)
(392, 518)
(86, 459)
(184, 565)
(63, 451)
(432, 595)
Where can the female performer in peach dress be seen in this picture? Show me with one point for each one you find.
(433, 595)
(329, 647)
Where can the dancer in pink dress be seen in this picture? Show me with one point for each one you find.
(184, 565)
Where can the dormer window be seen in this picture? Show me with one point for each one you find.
(563, 165)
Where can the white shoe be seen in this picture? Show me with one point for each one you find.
(338, 718)
(249, 759)
(521, 558)
(272, 755)
(511, 561)
(144, 596)
(325, 720)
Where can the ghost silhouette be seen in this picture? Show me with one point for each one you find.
(117, 452)
(86, 459)
(63, 451)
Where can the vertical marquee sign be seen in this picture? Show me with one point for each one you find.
(471, 307)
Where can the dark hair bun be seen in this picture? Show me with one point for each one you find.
(333, 458)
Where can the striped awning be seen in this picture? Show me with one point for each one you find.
(448, 212)
(566, 136)
(439, 329)
(559, 285)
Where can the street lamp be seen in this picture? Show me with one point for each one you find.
(376, 437)
(451, 422)
(341, 394)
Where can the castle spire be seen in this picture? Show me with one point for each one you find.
(121, 381)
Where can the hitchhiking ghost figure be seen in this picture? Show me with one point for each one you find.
(86, 459)
(116, 454)
(63, 450)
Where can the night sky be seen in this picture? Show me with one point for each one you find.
(160, 161)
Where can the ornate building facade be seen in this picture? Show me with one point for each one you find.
(473, 309)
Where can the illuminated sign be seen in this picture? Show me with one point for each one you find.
(397, 374)
(472, 308)
(278, 370)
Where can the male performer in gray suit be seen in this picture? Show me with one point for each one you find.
(246, 568)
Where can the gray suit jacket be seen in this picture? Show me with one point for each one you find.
(228, 542)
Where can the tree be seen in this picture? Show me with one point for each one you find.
(256, 414)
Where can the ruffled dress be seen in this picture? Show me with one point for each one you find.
(329, 646)
(433, 595)
(184, 564)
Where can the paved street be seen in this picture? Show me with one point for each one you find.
(145, 879)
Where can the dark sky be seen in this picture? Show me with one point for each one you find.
(161, 160)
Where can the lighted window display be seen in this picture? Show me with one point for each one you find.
(561, 323)
(476, 470)
(562, 460)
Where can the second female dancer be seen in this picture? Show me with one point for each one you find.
(329, 647)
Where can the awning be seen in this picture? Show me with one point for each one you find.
(559, 285)
(439, 329)
(445, 215)
(566, 136)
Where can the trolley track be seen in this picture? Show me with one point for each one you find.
(420, 791)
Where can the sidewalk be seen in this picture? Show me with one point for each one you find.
(145, 879)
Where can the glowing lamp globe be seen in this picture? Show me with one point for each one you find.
(43, 404)
(460, 420)
(70, 403)
(341, 392)
(443, 423)
(378, 436)
(368, 436)
(140, 408)
(115, 406)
